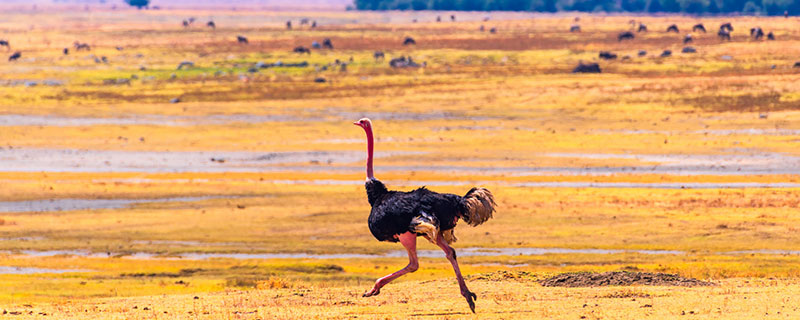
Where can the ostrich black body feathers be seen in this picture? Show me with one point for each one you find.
(394, 212)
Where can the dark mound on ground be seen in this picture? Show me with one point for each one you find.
(503, 275)
(620, 278)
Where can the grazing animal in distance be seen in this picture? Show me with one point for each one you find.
(796, 65)
(572, 28)
(699, 27)
(378, 55)
(241, 39)
(66, 51)
(289, 25)
(314, 24)
(689, 50)
(403, 216)
(493, 30)
(316, 45)
(673, 28)
(587, 68)
(724, 34)
(756, 33)
(186, 63)
(438, 18)
(304, 21)
(770, 36)
(453, 17)
(5, 43)
(403, 62)
(326, 43)
(642, 27)
(302, 50)
(211, 25)
(666, 53)
(15, 56)
(82, 46)
(408, 41)
(642, 53)
(607, 55)
(625, 35)
(727, 26)
(687, 39)
(185, 24)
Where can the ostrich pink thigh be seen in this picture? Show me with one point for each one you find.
(409, 241)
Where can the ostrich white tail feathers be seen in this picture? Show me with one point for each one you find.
(425, 225)
(420, 225)
(478, 206)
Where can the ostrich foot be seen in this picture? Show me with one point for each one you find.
(471, 297)
(373, 292)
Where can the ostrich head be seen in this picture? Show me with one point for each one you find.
(364, 123)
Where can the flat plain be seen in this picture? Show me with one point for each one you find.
(232, 188)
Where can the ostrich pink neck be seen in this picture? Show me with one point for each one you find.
(370, 146)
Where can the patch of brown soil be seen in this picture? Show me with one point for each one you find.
(620, 278)
(503, 275)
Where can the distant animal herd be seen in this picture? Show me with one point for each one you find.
(724, 34)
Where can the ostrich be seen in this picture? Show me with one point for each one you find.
(403, 216)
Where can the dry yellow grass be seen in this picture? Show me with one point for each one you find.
(501, 110)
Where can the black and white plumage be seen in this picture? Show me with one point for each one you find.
(398, 216)
(424, 212)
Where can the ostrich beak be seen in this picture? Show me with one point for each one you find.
(357, 123)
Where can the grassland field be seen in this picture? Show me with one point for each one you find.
(245, 199)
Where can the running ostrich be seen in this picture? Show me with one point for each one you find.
(403, 216)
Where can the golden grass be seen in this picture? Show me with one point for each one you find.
(500, 100)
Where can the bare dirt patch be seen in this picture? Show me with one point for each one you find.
(620, 278)
(503, 275)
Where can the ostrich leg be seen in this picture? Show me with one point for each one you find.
(409, 241)
(451, 255)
